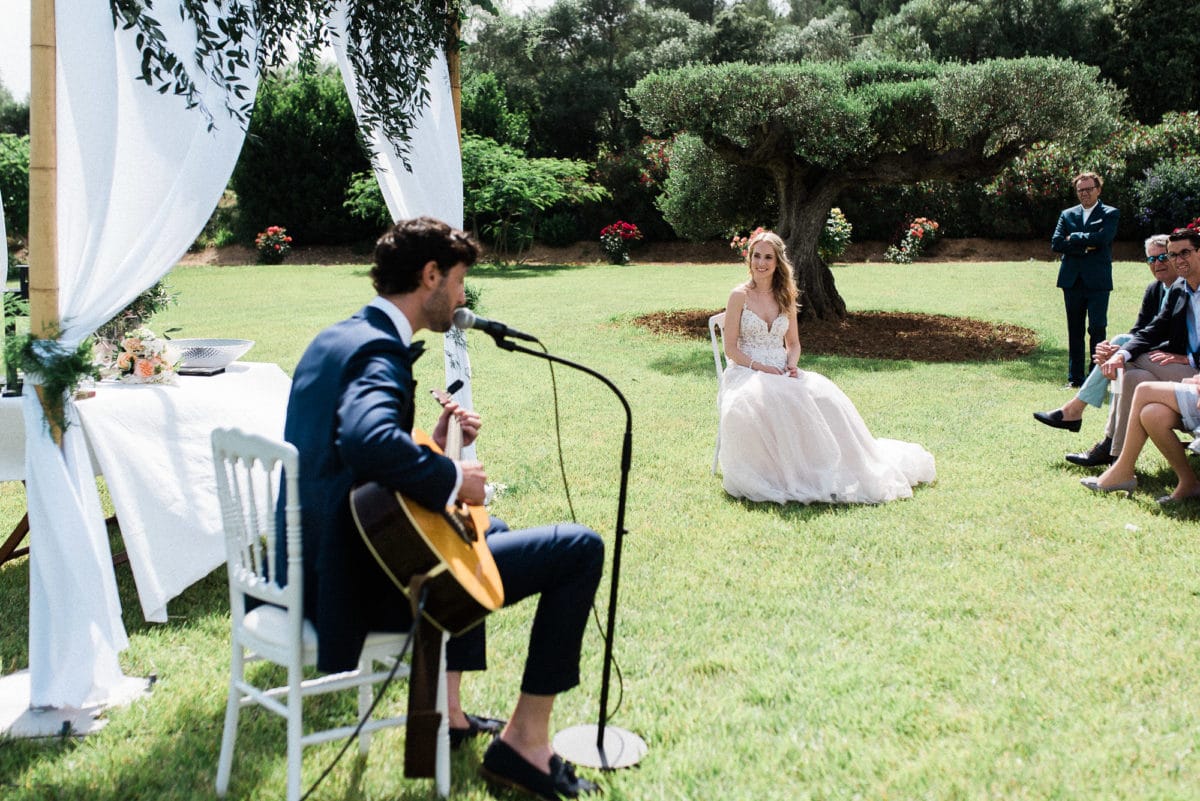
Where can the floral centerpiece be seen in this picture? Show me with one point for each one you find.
(615, 239)
(272, 245)
(140, 357)
(920, 233)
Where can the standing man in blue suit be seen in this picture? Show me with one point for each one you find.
(350, 416)
(1084, 236)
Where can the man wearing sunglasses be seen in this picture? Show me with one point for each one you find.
(1084, 237)
(1069, 416)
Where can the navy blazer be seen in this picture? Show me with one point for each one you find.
(1151, 303)
(350, 416)
(1086, 249)
(1168, 330)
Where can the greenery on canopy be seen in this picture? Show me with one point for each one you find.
(389, 43)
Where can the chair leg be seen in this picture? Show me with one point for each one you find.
(716, 452)
(441, 769)
(229, 735)
(365, 696)
(295, 730)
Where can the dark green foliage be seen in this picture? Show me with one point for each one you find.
(300, 152)
(506, 193)
(485, 111)
(1154, 56)
(705, 197)
(14, 115)
(958, 31)
(364, 200)
(14, 182)
(1169, 196)
(559, 229)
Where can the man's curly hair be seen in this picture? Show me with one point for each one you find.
(404, 250)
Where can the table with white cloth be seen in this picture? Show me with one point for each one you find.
(151, 443)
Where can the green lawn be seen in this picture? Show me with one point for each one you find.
(1003, 634)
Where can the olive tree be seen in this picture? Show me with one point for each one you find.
(817, 129)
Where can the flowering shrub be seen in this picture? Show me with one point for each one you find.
(140, 357)
(272, 245)
(615, 239)
(920, 233)
(741, 244)
(835, 238)
(1169, 193)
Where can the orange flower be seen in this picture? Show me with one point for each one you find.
(143, 368)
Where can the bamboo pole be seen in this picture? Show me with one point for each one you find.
(43, 188)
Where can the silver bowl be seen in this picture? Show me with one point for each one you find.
(210, 354)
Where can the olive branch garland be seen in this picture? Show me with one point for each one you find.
(56, 368)
(390, 45)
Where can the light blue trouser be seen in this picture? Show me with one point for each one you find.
(1092, 391)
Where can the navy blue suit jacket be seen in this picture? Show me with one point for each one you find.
(1168, 330)
(1086, 249)
(1151, 303)
(350, 416)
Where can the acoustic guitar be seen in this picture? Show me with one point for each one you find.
(447, 545)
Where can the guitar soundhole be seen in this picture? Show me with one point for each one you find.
(462, 525)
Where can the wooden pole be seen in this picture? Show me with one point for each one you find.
(43, 188)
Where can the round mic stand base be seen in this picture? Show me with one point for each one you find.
(622, 749)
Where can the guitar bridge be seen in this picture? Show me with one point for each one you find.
(462, 524)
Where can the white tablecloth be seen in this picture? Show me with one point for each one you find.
(151, 442)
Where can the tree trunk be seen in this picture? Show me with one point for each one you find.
(803, 210)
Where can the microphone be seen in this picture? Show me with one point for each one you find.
(464, 318)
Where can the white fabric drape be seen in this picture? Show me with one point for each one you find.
(138, 175)
(433, 187)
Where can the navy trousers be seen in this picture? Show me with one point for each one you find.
(1087, 309)
(561, 564)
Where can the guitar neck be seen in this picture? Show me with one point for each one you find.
(454, 438)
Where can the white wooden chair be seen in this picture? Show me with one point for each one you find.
(716, 328)
(249, 470)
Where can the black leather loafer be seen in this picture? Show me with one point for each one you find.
(476, 725)
(504, 766)
(1055, 419)
(1100, 454)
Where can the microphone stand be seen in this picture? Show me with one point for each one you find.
(599, 746)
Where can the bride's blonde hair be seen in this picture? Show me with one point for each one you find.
(783, 285)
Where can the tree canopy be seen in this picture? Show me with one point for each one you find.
(816, 129)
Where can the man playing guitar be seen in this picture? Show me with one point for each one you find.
(350, 416)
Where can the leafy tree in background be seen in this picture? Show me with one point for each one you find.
(300, 151)
(957, 31)
(1153, 54)
(485, 111)
(567, 67)
(817, 129)
(14, 183)
(14, 115)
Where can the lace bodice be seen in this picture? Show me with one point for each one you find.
(761, 342)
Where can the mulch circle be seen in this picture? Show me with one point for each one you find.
(880, 335)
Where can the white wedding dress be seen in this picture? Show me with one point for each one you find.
(800, 439)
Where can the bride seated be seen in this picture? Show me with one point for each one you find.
(790, 435)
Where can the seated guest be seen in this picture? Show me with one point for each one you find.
(1069, 416)
(350, 416)
(1166, 349)
(1159, 407)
